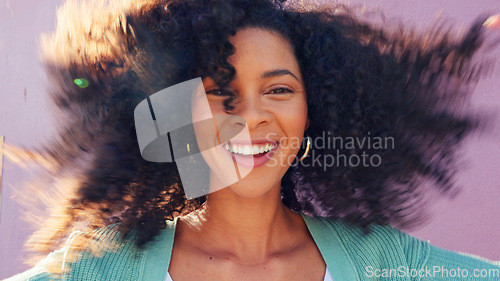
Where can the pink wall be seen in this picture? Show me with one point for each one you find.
(470, 223)
(23, 120)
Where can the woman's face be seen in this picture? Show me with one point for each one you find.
(269, 106)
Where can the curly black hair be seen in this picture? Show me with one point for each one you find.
(361, 81)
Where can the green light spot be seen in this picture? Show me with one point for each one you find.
(82, 83)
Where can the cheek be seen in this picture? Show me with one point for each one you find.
(293, 122)
(295, 118)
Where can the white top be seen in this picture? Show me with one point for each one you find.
(328, 277)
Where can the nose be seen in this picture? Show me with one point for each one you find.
(252, 109)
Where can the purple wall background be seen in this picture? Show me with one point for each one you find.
(469, 223)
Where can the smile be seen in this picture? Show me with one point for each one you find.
(250, 149)
(250, 155)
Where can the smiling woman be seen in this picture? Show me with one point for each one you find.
(285, 75)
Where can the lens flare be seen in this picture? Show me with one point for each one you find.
(82, 83)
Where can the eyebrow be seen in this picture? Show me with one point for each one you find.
(278, 72)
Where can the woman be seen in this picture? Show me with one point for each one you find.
(283, 76)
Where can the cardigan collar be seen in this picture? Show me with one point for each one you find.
(323, 231)
(331, 248)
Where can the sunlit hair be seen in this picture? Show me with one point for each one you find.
(360, 80)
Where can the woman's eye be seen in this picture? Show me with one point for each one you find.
(219, 93)
(280, 91)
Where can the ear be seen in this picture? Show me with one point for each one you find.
(307, 123)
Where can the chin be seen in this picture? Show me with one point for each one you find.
(248, 188)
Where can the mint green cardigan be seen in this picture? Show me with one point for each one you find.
(384, 254)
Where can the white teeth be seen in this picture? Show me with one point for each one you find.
(255, 149)
(249, 149)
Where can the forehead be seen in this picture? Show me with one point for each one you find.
(259, 50)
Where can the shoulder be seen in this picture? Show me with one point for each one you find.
(383, 246)
(109, 255)
(355, 236)
(386, 236)
(103, 254)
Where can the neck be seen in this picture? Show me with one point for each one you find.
(250, 230)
